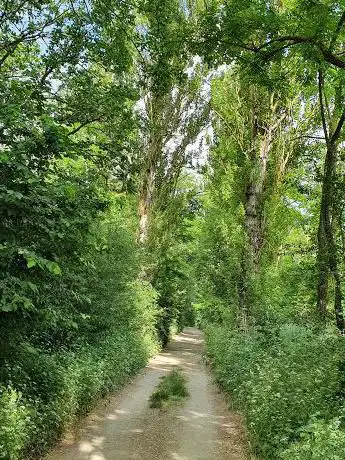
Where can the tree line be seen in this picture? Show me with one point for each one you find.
(166, 162)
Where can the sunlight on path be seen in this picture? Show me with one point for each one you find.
(127, 429)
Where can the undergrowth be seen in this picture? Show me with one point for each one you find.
(172, 388)
(287, 383)
(100, 329)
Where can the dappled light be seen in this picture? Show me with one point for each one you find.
(172, 229)
(127, 428)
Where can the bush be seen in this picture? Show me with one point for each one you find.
(280, 380)
(101, 331)
(319, 440)
(14, 420)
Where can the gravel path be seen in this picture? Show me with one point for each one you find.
(126, 428)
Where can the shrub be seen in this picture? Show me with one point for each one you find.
(101, 331)
(319, 440)
(280, 380)
(14, 420)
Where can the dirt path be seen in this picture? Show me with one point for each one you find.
(127, 429)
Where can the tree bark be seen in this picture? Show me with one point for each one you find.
(327, 249)
(254, 217)
(154, 148)
(145, 203)
(242, 288)
(327, 257)
(262, 142)
(263, 129)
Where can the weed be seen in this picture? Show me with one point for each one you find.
(172, 388)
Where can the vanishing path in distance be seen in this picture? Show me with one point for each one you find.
(126, 428)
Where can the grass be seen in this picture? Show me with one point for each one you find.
(172, 388)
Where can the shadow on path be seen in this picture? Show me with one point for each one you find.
(128, 429)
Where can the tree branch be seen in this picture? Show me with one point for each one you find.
(307, 137)
(337, 31)
(82, 125)
(338, 129)
(291, 40)
(322, 108)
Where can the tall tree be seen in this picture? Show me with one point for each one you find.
(63, 94)
(309, 35)
(333, 119)
(175, 110)
(253, 123)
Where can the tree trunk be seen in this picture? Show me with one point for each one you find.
(254, 217)
(327, 250)
(145, 203)
(242, 288)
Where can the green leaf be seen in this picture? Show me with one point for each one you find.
(7, 307)
(3, 157)
(31, 262)
(54, 268)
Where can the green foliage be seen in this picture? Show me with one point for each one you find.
(101, 331)
(256, 33)
(173, 282)
(164, 29)
(76, 316)
(256, 260)
(212, 311)
(172, 250)
(172, 388)
(82, 307)
(318, 440)
(281, 379)
(14, 417)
